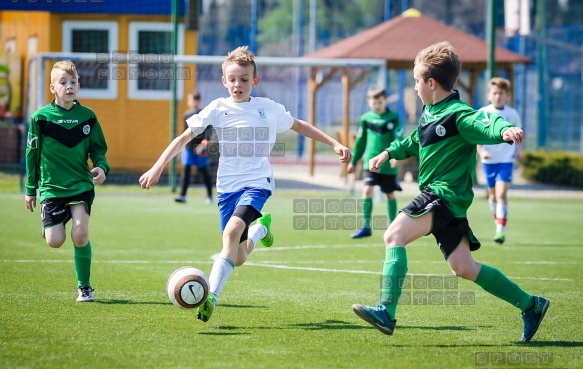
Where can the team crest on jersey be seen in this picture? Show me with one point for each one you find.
(390, 125)
(32, 141)
(482, 117)
(440, 130)
(262, 114)
(86, 129)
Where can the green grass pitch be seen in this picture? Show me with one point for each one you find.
(290, 305)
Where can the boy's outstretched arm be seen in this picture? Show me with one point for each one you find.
(151, 177)
(513, 134)
(375, 163)
(308, 130)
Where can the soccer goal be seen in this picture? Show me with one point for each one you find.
(140, 100)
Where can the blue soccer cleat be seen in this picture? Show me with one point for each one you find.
(533, 317)
(361, 233)
(377, 316)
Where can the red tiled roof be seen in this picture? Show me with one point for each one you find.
(400, 39)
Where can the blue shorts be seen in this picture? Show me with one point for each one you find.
(501, 172)
(228, 202)
(192, 159)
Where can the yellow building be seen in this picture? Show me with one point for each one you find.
(132, 101)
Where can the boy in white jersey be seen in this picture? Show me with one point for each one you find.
(246, 129)
(498, 160)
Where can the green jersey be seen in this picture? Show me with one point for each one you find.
(445, 141)
(375, 133)
(59, 143)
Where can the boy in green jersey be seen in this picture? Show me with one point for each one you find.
(62, 136)
(445, 142)
(378, 129)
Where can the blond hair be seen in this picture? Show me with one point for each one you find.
(66, 66)
(375, 92)
(241, 56)
(501, 83)
(441, 63)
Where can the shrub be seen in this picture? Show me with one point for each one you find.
(554, 167)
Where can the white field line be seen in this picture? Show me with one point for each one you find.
(327, 270)
(263, 265)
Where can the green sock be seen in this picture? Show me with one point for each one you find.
(495, 282)
(83, 265)
(392, 209)
(366, 211)
(394, 272)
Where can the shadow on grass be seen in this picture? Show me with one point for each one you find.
(227, 330)
(326, 325)
(444, 328)
(550, 344)
(242, 306)
(128, 302)
(565, 344)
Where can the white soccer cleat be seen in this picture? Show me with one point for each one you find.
(85, 294)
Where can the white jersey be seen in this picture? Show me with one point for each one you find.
(503, 152)
(246, 134)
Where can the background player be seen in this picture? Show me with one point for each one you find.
(378, 128)
(62, 136)
(195, 153)
(498, 160)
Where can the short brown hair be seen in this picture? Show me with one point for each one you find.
(441, 63)
(195, 95)
(68, 67)
(375, 92)
(501, 83)
(241, 56)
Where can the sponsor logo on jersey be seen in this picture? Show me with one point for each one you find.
(86, 129)
(68, 121)
(440, 130)
(32, 141)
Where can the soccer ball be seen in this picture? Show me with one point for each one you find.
(187, 287)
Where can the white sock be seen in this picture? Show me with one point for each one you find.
(501, 216)
(492, 207)
(256, 232)
(220, 273)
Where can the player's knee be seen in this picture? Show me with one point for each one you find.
(55, 242)
(241, 259)
(464, 271)
(80, 235)
(390, 237)
(229, 235)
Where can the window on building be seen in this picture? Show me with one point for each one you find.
(95, 76)
(150, 75)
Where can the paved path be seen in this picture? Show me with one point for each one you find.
(294, 175)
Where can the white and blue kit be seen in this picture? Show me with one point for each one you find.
(246, 134)
(499, 166)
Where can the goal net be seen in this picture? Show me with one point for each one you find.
(132, 96)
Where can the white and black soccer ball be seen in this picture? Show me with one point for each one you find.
(187, 287)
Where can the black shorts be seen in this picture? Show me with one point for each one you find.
(447, 230)
(57, 210)
(387, 182)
